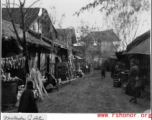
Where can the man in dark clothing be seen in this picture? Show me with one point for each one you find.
(89, 69)
(103, 72)
(28, 101)
(133, 75)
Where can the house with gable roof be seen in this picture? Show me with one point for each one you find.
(39, 26)
(101, 44)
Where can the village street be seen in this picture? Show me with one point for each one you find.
(90, 94)
(46, 42)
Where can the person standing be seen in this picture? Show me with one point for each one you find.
(28, 100)
(103, 72)
(133, 77)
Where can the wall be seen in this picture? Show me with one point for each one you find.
(107, 46)
(43, 25)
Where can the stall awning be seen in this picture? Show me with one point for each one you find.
(142, 48)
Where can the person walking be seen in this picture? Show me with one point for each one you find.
(103, 72)
(28, 100)
(132, 86)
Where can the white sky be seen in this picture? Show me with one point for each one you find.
(69, 7)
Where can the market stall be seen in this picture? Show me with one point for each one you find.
(10, 82)
(13, 64)
(140, 50)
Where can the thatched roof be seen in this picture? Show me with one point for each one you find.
(32, 40)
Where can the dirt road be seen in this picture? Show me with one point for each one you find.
(91, 94)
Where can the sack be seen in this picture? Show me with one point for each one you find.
(36, 95)
(138, 83)
(137, 78)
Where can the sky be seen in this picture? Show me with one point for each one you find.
(69, 7)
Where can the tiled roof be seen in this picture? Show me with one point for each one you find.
(30, 17)
(138, 40)
(8, 30)
(142, 48)
(107, 35)
(62, 33)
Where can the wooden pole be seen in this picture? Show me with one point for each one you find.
(24, 41)
(39, 64)
(48, 63)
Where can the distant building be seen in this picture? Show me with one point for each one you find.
(100, 45)
(106, 40)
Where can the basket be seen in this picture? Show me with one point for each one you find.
(9, 93)
(117, 83)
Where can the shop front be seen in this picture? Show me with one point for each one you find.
(13, 63)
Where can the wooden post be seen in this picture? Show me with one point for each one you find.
(39, 65)
(48, 63)
(24, 42)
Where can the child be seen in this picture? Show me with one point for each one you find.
(28, 100)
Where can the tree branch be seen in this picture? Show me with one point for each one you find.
(11, 3)
(135, 32)
(10, 15)
(30, 6)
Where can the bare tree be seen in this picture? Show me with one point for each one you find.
(53, 14)
(21, 41)
(122, 15)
